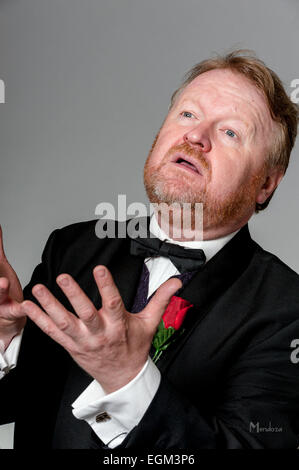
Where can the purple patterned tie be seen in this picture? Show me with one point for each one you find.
(141, 299)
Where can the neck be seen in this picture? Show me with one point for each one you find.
(176, 228)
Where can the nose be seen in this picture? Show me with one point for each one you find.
(198, 136)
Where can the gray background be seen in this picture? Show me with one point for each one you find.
(87, 86)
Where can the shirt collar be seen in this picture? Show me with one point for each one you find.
(210, 247)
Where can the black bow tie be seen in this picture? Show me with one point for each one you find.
(184, 259)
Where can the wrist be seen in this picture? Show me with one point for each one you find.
(8, 330)
(118, 381)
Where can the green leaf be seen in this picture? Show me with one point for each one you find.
(163, 339)
(162, 335)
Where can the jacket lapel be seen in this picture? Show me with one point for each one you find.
(126, 272)
(206, 288)
(221, 271)
(126, 268)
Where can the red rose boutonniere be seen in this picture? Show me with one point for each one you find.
(171, 321)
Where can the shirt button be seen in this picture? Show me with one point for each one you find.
(101, 417)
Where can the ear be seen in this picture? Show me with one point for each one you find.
(271, 181)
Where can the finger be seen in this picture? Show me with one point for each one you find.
(10, 309)
(111, 299)
(156, 307)
(2, 254)
(80, 302)
(45, 323)
(4, 289)
(65, 321)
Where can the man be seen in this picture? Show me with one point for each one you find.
(84, 378)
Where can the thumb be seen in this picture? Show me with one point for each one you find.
(156, 307)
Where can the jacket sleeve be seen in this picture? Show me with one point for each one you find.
(45, 274)
(259, 406)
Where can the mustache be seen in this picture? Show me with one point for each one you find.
(191, 152)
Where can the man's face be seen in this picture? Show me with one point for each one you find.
(212, 149)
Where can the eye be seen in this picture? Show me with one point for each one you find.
(186, 114)
(230, 133)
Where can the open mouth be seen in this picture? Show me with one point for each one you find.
(187, 163)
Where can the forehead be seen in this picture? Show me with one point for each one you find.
(228, 92)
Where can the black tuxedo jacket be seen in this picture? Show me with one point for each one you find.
(227, 382)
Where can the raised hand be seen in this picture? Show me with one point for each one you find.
(12, 319)
(110, 344)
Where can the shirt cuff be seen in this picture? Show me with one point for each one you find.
(114, 415)
(8, 358)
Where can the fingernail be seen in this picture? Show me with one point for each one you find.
(39, 291)
(100, 272)
(64, 281)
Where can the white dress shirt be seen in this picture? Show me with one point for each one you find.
(8, 358)
(112, 416)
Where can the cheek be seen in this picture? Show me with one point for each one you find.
(167, 139)
(228, 176)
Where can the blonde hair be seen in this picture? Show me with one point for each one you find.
(283, 111)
